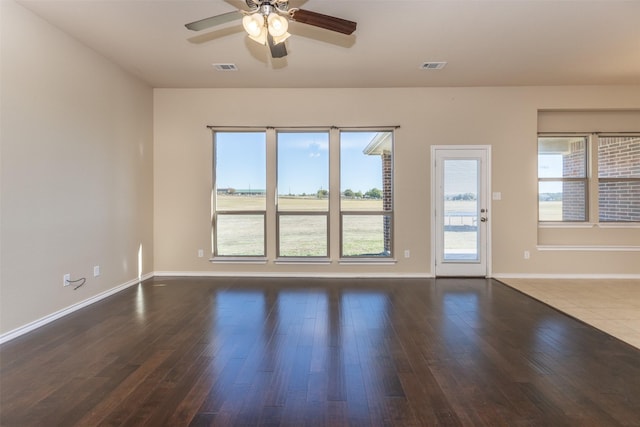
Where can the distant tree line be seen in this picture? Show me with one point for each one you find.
(550, 197)
(374, 193)
(461, 196)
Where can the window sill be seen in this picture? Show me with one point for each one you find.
(589, 225)
(619, 225)
(368, 261)
(298, 261)
(566, 225)
(242, 260)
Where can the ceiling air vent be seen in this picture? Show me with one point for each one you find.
(225, 67)
(433, 65)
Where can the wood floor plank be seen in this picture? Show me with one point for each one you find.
(316, 352)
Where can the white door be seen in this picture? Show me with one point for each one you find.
(461, 210)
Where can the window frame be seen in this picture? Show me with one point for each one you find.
(591, 180)
(383, 212)
(216, 213)
(292, 212)
(584, 180)
(599, 180)
(271, 214)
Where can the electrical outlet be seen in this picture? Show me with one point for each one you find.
(96, 271)
(407, 253)
(200, 253)
(527, 255)
(65, 280)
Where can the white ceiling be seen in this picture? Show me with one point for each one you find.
(485, 42)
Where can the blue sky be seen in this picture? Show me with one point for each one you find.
(303, 158)
(303, 161)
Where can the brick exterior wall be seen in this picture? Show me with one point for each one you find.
(619, 157)
(573, 192)
(387, 197)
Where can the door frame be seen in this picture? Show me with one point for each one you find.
(487, 201)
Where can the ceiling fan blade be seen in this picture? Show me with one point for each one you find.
(214, 20)
(277, 50)
(323, 21)
(320, 34)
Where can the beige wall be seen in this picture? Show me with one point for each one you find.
(76, 177)
(505, 118)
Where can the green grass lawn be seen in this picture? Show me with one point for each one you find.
(306, 235)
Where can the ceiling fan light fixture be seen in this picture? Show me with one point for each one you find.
(280, 39)
(277, 24)
(260, 38)
(253, 24)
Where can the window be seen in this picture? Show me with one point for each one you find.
(567, 194)
(366, 193)
(562, 178)
(619, 178)
(273, 191)
(303, 194)
(239, 188)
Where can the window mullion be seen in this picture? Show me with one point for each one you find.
(592, 173)
(334, 192)
(271, 195)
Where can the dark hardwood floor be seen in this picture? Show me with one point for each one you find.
(295, 352)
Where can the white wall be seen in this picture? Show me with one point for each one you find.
(505, 118)
(76, 177)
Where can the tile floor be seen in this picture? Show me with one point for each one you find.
(613, 306)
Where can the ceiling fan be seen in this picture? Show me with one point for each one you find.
(267, 22)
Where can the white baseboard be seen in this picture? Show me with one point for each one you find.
(7, 336)
(564, 276)
(297, 274)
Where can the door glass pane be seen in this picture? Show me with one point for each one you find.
(460, 182)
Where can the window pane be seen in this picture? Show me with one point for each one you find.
(240, 170)
(562, 201)
(619, 157)
(562, 157)
(303, 171)
(366, 171)
(619, 201)
(364, 235)
(303, 235)
(240, 235)
(619, 170)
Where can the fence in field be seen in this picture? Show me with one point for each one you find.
(460, 221)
